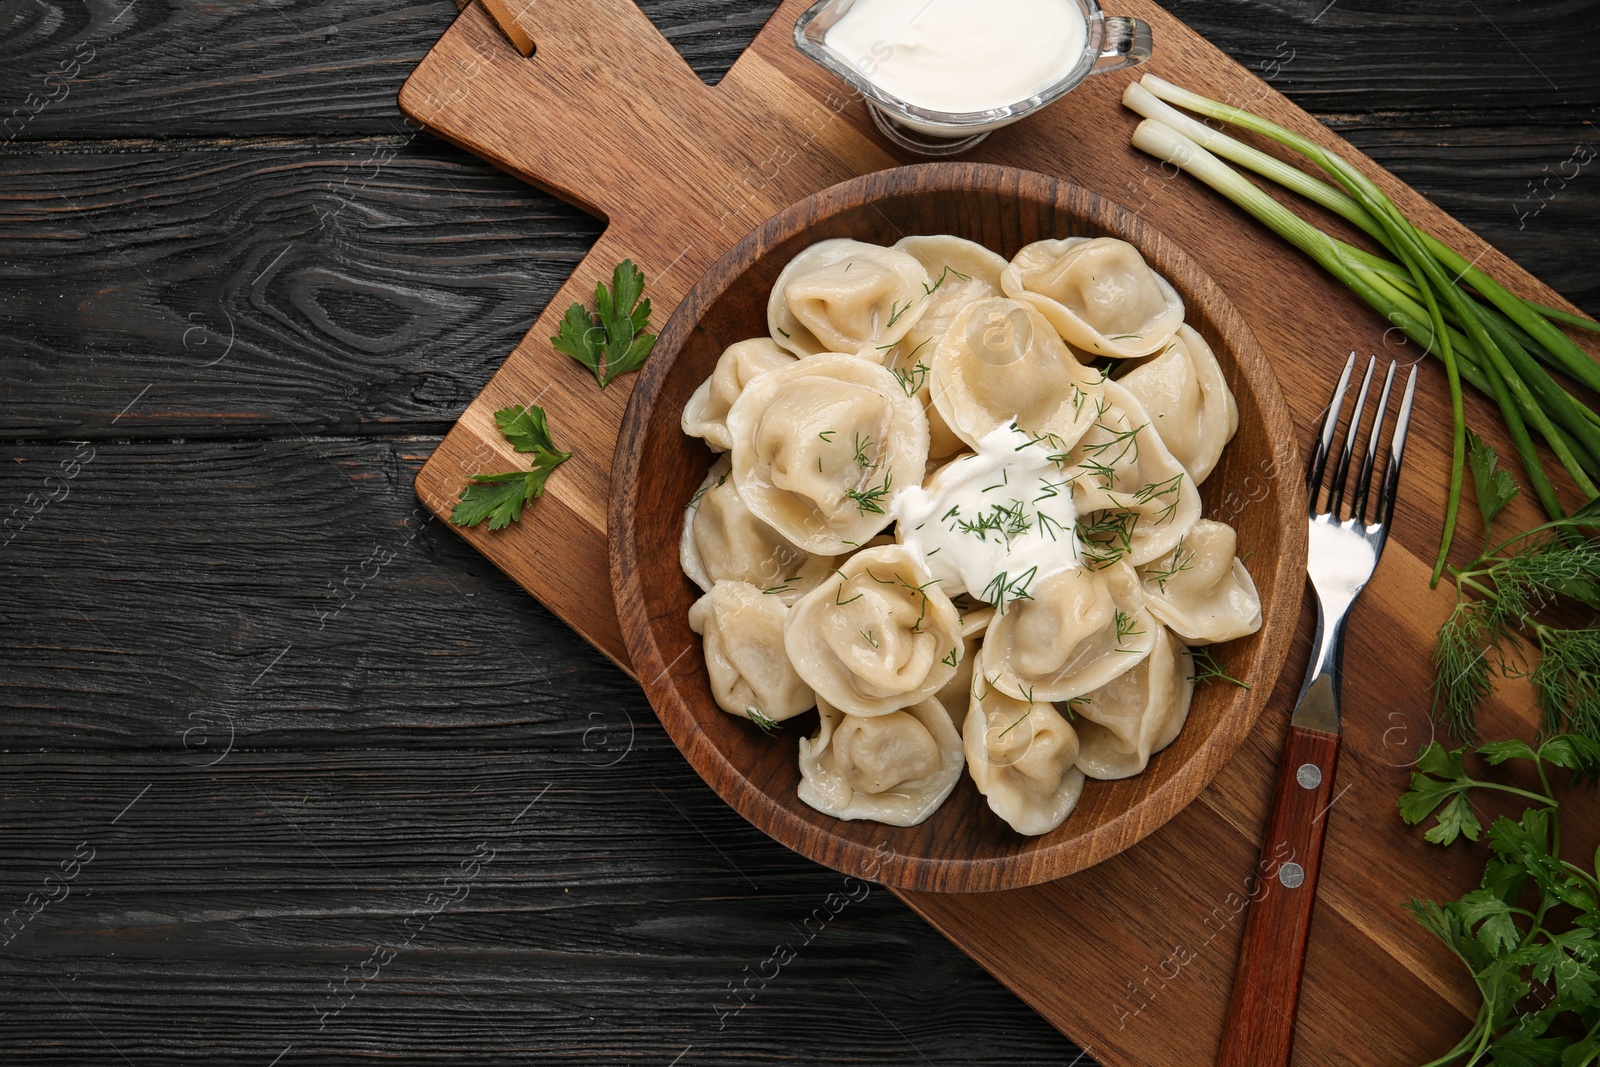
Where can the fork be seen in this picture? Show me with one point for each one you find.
(1341, 556)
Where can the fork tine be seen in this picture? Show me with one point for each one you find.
(1319, 454)
(1358, 506)
(1341, 477)
(1397, 451)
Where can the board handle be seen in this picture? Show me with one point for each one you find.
(600, 71)
(1259, 1030)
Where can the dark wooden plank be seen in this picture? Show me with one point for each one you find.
(293, 588)
(216, 915)
(162, 69)
(343, 286)
(312, 780)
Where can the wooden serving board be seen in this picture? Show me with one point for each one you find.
(1132, 958)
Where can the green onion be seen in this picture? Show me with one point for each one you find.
(1495, 341)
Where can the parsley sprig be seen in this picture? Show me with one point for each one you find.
(500, 498)
(610, 340)
(1528, 934)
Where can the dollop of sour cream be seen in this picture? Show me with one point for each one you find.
(961, 55)
(993, 524)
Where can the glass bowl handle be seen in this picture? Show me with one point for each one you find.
(1128, 43)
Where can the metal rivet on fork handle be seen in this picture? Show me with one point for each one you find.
(1292, 875)
(1309, 775)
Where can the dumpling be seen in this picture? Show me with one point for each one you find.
(822, 446)
(723, 541)
(750, 672)
(895, 769)
(1001, 362)
(963, 271)
(1099, 293)
(1124, 723)
(1201, 589)
(706, 413)
(847, 296)
(1021, 757)
(1077, 630)
(956, 694)
(1135, 501)
(1191, 406)
(909, 365)
(877, 636)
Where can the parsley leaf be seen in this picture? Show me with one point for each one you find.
(500, 498)
(611, 340)
(1495, 487)
(1535, 962)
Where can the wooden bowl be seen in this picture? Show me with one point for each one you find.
(962, 847)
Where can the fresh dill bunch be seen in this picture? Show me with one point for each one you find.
(1500, 619)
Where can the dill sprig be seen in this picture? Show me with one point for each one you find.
(1503, 600)
(1003, 588)
(1168, 567)
(1207, 669)
(870, 500)
(766, 725)
(913, 378)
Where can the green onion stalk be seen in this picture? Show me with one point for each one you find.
(1500, 344)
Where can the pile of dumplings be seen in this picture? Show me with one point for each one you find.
(882, 367)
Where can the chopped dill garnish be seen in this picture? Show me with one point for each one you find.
(1169, 567)
(873, 641)
(953, 659)
(929, 290)
(913, 378)
(1014, 725)
(870, 501)
(1126, 627)
(765, 724)
(694, 501)
(1169, 491)
(861, 446)
(1003, 589)
(1207, 669)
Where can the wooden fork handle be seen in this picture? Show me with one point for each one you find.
(1259, 1031)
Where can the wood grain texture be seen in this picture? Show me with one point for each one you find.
(1258, 1030)
(750, 127)
(961, 848)
(216, 928)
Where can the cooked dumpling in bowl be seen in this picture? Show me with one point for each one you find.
(1137, 714)
(724, 541)
(1189, 402)
(895, 769)
(877, 636)
(956, 694)
(706, 413)
(1135, 500)
(1201, 590)
(1000, 362)
(962, 271)
(751, 676)
(821, 447)
(847, 296)
(1078, 629)
(1021, 756)
(1099, 293)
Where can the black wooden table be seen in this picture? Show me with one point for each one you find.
(289, 774)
